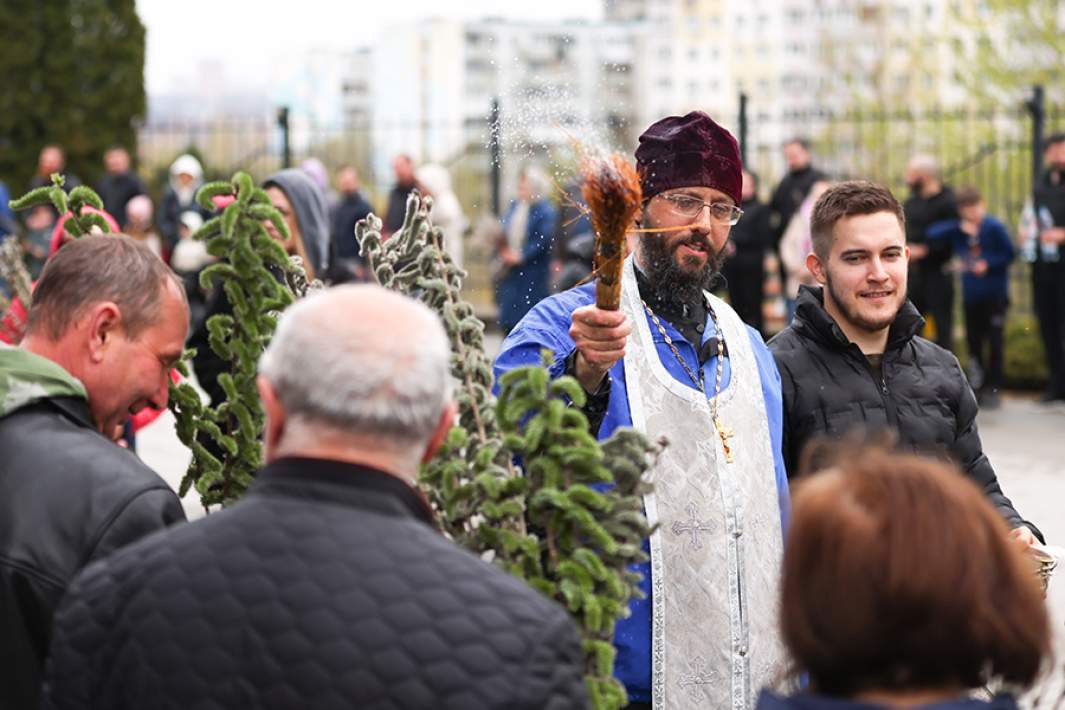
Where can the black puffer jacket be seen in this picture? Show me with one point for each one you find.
(325, 587)
(829, 389)
(68, 496)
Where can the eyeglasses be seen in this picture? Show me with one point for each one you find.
(691, 207)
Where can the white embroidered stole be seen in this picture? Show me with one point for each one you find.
(715, 557)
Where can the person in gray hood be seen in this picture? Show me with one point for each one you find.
(304, 209)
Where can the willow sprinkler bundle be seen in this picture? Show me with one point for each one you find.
(612, 191)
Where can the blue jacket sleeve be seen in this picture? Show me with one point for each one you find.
(948, 231)
(997, 248)
(540, 231)
(545, 327)
(772, 392)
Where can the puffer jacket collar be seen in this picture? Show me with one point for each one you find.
(343, 483)
(814, 322)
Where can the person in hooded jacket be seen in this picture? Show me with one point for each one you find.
(302, 206)
(879, 616)
(186, 177)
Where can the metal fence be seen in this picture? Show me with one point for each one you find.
(990, 148)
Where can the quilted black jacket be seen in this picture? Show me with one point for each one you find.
(68, 496)
(325, 587)
(923, 395)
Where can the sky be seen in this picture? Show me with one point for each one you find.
(252, 36)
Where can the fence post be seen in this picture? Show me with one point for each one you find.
(1037, 108)
(743, 127)
(495, 155)
(286, 148)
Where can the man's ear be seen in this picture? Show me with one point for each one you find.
(816, 267)
(443, 426)
(105, 323)
(275, 418)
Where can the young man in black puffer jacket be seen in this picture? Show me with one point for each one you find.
(852, 359)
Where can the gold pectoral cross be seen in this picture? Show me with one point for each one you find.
(725, 433)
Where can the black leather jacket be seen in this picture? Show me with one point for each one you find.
(922, 393)
(68, 496)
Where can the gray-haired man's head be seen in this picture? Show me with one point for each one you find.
(357, 364)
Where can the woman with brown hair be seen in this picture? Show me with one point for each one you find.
(902, 589)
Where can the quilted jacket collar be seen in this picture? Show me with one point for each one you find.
(343, 483)
(812, 319)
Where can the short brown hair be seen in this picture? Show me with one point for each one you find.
(900, 575)
(848, 199)
(968, 195)
(99, 268)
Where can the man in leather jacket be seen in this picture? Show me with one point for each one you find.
(852, 359)
(108, 321)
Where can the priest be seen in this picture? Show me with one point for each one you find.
(675, 361)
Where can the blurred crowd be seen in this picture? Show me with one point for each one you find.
(544, 243)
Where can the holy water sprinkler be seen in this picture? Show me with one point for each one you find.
(612, 191)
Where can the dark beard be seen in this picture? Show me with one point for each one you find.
(670, 283)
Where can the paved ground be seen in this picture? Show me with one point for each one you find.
(1025, 441)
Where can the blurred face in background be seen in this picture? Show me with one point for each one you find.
(524, 189)
(796, 156)
(116, 161)
(973, 213)
(404, 169)
(348, 181)
(282, 204)
(50, 161)
(749, 188)
(1055, 155)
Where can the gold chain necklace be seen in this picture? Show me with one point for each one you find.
(724, 433)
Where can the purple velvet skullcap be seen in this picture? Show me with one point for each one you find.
(689, 151)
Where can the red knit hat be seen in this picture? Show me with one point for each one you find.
(689, 151)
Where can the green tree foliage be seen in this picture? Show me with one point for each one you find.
(248, 269)
(572, 522)
(74, 75)
(1014, 45)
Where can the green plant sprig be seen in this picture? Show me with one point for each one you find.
(251, 270)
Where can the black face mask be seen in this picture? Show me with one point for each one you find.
(917, 185)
